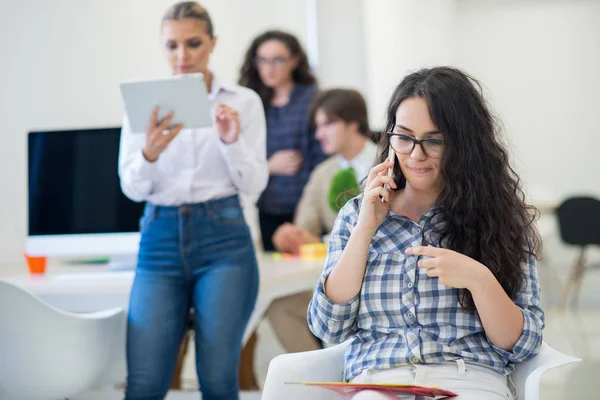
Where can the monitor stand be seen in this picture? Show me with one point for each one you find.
(122, 263)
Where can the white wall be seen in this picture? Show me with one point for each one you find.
(62, 61)
(341, 44)
(402, 36)
(538, 60)
(541, 62)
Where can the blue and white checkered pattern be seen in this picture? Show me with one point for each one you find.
(402, 316)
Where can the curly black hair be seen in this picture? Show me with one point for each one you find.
(481, 202)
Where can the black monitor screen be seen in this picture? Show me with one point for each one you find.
(74, 184)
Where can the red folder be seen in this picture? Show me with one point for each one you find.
(348, 389)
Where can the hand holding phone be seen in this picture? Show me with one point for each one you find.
(373, 212)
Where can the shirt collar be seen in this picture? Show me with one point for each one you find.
(363, 161)
(217, 87)
(432, 216)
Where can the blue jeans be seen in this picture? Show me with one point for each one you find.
(198, 256)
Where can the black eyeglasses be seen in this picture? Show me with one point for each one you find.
(405, 144)
(276, 61)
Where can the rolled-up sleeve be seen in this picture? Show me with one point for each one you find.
(528, 300)
(334, 323)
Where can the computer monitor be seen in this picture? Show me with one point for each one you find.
(76, 206)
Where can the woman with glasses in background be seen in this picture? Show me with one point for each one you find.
(433, 275)
(276, 67)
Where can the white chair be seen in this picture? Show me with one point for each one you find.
(49, 354)
(327, 366)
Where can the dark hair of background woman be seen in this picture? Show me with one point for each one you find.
(249, 73)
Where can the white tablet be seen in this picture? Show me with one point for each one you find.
(185, 95)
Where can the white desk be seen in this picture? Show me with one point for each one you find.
(84, 291)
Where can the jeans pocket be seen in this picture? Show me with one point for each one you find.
(229, 215)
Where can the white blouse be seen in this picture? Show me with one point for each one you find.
(197, 166)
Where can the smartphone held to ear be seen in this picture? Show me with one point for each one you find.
(390, 171)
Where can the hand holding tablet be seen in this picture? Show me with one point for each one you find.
(184, 96)
(158, 136)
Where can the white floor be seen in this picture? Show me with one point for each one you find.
(108, 394)
(572, 332)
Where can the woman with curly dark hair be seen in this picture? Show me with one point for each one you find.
(276, 67)
(432, 270)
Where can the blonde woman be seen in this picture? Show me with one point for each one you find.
(196, 251)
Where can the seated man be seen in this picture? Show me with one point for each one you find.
(340, 118)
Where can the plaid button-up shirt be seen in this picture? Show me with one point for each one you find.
(401, 316)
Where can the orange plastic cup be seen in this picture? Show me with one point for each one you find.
(36, 265)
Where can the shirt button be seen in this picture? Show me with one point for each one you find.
(414, 360)
(410, 285)
(409, 315)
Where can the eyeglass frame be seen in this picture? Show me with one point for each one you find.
(275, 61)
(414, 143)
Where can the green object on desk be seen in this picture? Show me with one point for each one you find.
(343, 187)
(98, 260)
(91, 261)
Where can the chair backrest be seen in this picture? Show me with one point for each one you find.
(46, 350)
(579, 221)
